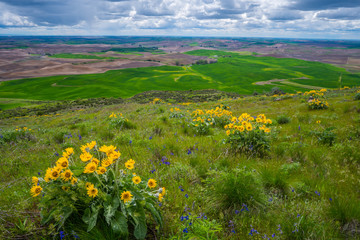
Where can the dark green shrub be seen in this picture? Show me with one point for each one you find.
(230, 190)
(297, 151)
(326, 137)
(357, 96)
(283, 119)
(344, 209)
(274, 179)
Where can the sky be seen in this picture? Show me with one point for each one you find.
(325, 19)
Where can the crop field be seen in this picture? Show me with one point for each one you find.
(79, 56)
(180, 170)
(233, 72)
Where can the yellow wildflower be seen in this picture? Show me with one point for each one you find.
(92, 192)
(85, 157)
(151, 183)
(126, 196)
(35, 180)
(136, 179)
(101, 170)
(66, 176)
(90, 168)
(89, 185)
(35, 190)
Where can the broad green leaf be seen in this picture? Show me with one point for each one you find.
(86, 216)
(92, 220)
(140, 219)
(155, 213)
(119, 225)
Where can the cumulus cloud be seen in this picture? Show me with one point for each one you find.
(8, 19)
(341, 13)
(176, 17)
(309, 5)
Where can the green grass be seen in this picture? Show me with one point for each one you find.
(79, 56)
(307, 188)
(153, 50)
(233, 72)
(193, 44)
(9, 103)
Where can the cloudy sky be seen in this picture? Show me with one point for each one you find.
(240, 18)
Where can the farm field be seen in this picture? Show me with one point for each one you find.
(232, 72)
(304, 186)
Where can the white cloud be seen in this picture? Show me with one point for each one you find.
(12, 20)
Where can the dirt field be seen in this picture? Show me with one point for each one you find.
(34, 60)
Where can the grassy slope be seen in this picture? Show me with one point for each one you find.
(333, 171)
(237, 73)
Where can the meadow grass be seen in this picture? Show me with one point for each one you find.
(233, 72)
(302, 189)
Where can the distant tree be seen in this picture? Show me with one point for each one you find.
(201, 62)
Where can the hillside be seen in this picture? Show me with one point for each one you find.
(305, 186)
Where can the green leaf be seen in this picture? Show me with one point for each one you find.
(46, 218)
(155, 213)
(67, 211)
(90, 218)
(140, 220)
(140, 229)
(119, 225)
(86, 216)
(110, 207)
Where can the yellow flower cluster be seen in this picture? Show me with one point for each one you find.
(315, 93)
(113, 115)
(157, 100)
(174, 109)
(202, 116)
(345, 88)
(245, 122)
(111, 155)
(24, 129)
(185, 104)
(318, 104)
(62, 174)
(61, 169)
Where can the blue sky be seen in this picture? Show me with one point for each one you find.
(240, 18)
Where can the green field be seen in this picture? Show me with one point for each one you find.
(153, 50)
(233, 72)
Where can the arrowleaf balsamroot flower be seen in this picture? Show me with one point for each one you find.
(151, 183)
(101, 170)
(90, 168)
(85, 157)
(62, 162)
(136, 179)
(35, 180)
(126, 196)
(66, 176)
(92, 192)
(35, 190)
(129, 164)
(64, 184)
